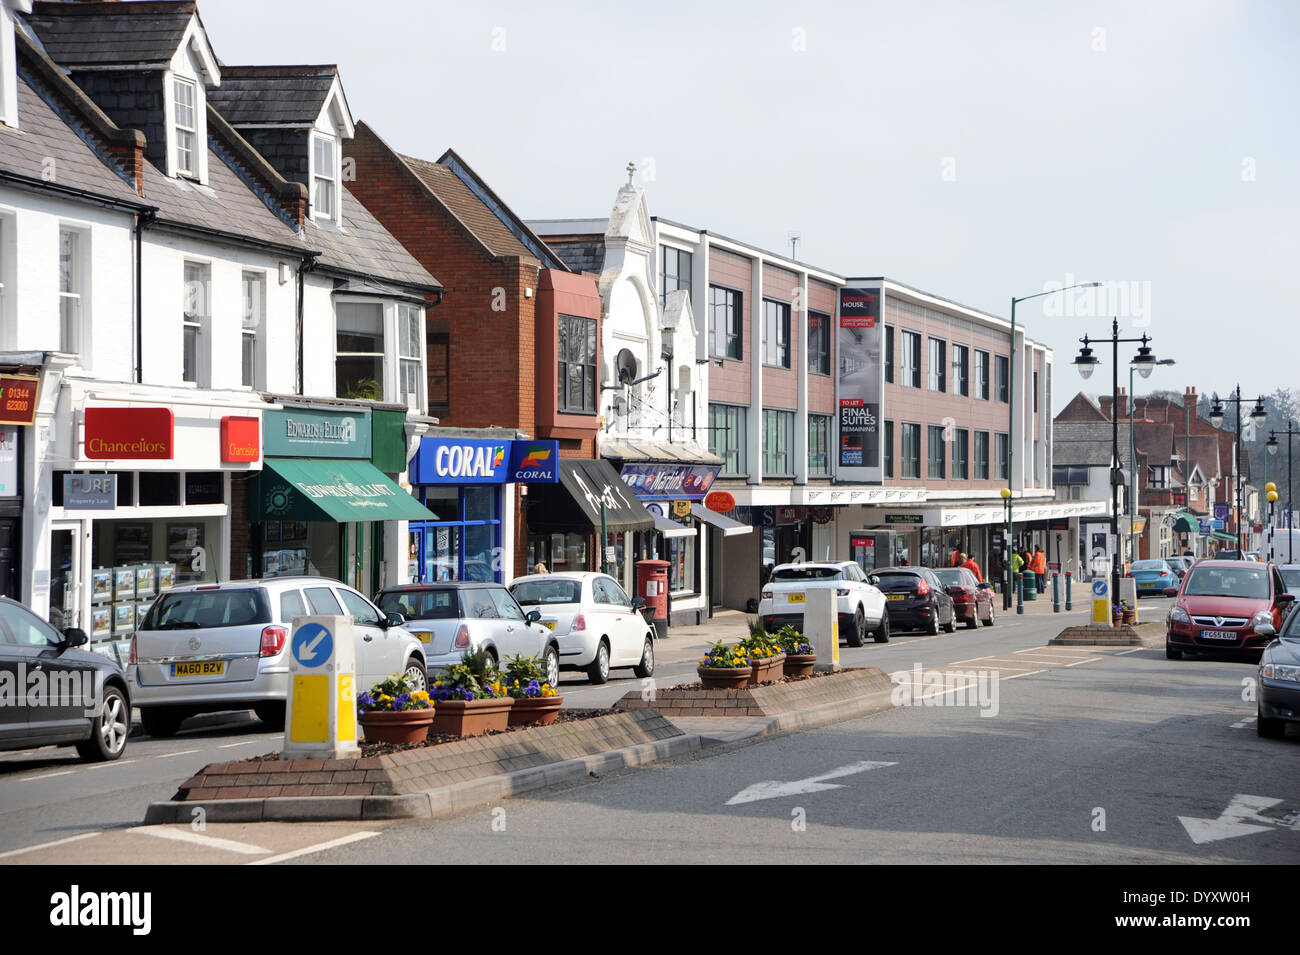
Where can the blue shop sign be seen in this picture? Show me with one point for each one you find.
(479, 461)
(669, 482)
(535, 462)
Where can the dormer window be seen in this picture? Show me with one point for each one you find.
(324, 180)
(186, 127)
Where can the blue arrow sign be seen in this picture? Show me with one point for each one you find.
(313, 645)
(1099, 588)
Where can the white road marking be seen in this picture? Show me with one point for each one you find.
(246, 742)
(118, 762)
(184, 752)
(1019, 675)
(1232, 821)
(775, 789)
(1134, 650)
(1243, 723)
(48, 845)
(320, 847)
(198, 839)
(1077, 662)
(32, 779)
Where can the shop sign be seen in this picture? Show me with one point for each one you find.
(681, 508)
(130, 434)
(241, 438)
(8, 462)
(1180, 498)
(311, 433)
(89, 492)
(18, 398)
(668, 482)
(904, 518)
(1220, 512)
(859, 385)
(535, 462)
(1204, 526)
(461, 461)
(1216, 524)
(791, 515)
(720, 501)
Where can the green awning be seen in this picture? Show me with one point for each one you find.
(292, 489)
(1185, 525)
(1225, 537)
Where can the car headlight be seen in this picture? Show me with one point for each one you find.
(1264, 616)
(1179, 615)
(1277, 671)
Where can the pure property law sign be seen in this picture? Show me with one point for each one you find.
(859, 384)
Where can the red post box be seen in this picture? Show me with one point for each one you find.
(652, 585)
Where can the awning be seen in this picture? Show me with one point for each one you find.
(729, 527)
(1220, 535)
(1185, 525)
(584, 486)
(670, 528)
(301, 489)
(665, 452)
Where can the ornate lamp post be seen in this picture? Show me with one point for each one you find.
(1257, 415)
(1271, 444)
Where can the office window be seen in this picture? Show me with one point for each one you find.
(961, 455)
(675, 273)
(889, 354)
(1000, 448)
(981, 455)
(195, 322)
(936, 462)
(186, 113)
(1001, 377)
(725, 318)
(778, 442)
(911, 359)
(410, 369)
(727, 437)
(359, 350)
(960, 370)
(981, 375)
(888, 440)
(577, 371)
(776, 333)
(252, 329)
(324, 175)
(938, 365)
(819, 343)
(911, 451)
(819, 433)
(1035, 392)
(69, 290)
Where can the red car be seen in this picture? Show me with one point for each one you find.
(972, 601)
(1219, 605)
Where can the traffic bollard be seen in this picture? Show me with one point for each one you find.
(1068, 604)
(1056, 593)
(1020, 593)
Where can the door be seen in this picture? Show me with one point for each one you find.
(65, 576)
(13, 718)
(615, 609)
(63, 680)
(516, 636)
(10, 554)
(382, 648)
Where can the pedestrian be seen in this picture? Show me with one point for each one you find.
(956, 558)
(1017, 565)
(904, 563)
(1040, 568)
(540, 568)
(970, 564)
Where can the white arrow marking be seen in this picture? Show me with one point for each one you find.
(1232, 821)
(775, 789)
(309, 651)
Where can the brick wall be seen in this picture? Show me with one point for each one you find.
(730, 383)
(821, 388)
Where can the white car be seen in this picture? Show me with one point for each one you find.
(599, 627)
(861, 607)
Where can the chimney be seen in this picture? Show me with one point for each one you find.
(1121, 405)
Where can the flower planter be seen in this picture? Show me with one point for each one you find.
(767, 669)
(799, 664)
(396, 726)
(1116, 619)
(724, 678)
(1129, 617)
(471, 717)
(541, 710)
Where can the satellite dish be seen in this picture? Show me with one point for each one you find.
(625, 366)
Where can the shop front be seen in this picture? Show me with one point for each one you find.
(18, 393)
(462, 482)
(325, 503)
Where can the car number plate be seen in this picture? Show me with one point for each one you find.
(896, 596)
(199, 668)
(422, 636)
(548, 624)
(794, 598)
(1218, 635)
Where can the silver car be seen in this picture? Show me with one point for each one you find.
(208, 647)
(456, 617)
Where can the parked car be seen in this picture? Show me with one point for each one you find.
(972, 600)
(597, 625)
(859, 605)
(88, 704)
(916, 599)
(1154, 577)
(1220, 605)
(1181, 565)
(456, 617)
(1291, 577)
(209, 647)
(1278, 697)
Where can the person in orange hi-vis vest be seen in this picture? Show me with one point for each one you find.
(1038, 565)
(970, 564)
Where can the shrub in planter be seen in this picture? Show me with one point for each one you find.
(535, 700)
(393, 711)
(764, 654)
(724, 667)
(800, 656)
(469, 699)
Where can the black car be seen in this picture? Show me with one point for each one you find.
(56, 694)
(915, 599)
(1279, 679)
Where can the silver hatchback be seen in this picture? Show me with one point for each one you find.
(209, 647)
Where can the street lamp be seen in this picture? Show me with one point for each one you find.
(1271, 444)
(1148, 362)
(1011, 420)
(1087, 362)
(1257, 415)
(1271, 493)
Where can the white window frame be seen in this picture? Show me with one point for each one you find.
(193, 170)
(72, 329)
(253, 327)
(317, 178)
(388, 386)
(415, 400)
(196, 315)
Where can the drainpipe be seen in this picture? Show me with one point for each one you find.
(307, 264)
(142, 218)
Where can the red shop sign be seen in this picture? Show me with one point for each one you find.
(134, 434)
(241, 438)
(720, 501)
(18, 399)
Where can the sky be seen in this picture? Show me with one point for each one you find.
(976, 150)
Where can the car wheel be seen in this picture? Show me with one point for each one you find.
(551, 661)
(951, 625)
(882, 631)
(1171, 653)
(974, 620)
(989, 621)
(272, 714)
(933, 627)
(161, 722)
(109, 730)
(598, 671)
(859, 631)
(1270, 728)
(646, 668)
(416, 675)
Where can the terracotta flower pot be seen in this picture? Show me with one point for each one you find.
(535, 709)
(1129, 616)
(1116, 619)
(471, 717)
(396, 726)
(799, 664)
(724, 678)
(767, 669)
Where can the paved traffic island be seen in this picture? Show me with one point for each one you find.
(766, 699)
(1098, 635)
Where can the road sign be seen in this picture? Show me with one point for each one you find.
(313, 645)
(321, 711)
(1101, 601)
(775, 789)
(1099, 588)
